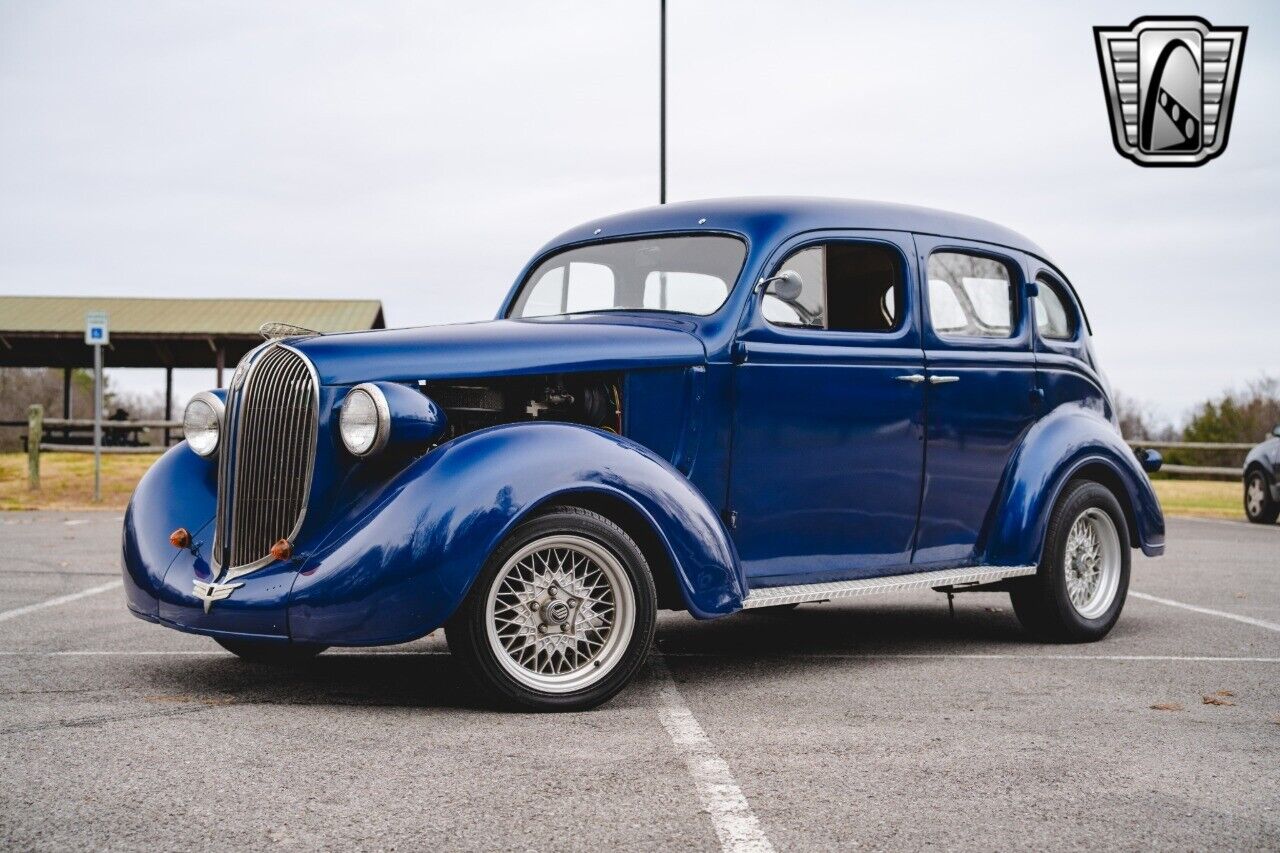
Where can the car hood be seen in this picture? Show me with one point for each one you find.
(502, 348)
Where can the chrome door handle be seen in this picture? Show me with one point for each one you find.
(943, 380)
(913, 378)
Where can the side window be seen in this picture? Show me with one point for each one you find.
(846, 287)
(970, 296)
(576, 286)
(1055, 320)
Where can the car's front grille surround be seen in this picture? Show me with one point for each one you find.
(264, 474)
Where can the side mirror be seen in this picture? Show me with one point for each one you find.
(786, 285)
(1151, 460)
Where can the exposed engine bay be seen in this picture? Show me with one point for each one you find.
(471, 404)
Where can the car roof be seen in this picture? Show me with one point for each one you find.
(783, 215)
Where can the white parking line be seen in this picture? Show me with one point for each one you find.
(963, 656)
(1248, 620)
(735, 824)
(1239, 524)
(62, 599)
(888, 656)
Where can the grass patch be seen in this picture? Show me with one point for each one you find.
(1201, 498)
(67, 483)
(66, 480)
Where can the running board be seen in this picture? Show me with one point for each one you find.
(772, 596)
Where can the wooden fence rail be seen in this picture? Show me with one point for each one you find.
(1217, 472)
(1191, 445)
(58, 423)
(39, 427)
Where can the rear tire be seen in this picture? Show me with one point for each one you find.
(1258, 505)
(561, 616)
(270, 653)
(1080, 588)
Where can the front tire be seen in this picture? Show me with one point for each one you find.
(561, 616)
(1258, 505)
(1080, 588)
(270, 653)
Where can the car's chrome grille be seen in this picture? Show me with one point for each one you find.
(264, 478)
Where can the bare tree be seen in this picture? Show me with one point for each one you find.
(1136, 420)
(21, 387)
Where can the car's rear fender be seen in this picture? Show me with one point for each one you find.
(1072, 441)
(397, 566)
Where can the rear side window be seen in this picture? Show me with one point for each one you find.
(970, 296)
(1055, 319)
(846, 287)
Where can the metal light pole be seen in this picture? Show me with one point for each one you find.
(662, 104)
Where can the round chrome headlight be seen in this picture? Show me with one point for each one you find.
(202, 423)
(365, 420)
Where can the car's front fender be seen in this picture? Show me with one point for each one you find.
(396, 566)
(1068, 441)
(178, 490)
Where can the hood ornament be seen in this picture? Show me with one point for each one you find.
(211, 592)
(272, 330)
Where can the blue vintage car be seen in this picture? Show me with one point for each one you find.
(708, 406)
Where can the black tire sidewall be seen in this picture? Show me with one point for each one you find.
(1042, 603)
(467, 632)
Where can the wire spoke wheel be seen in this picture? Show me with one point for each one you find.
(560, 613)
(1092, 560)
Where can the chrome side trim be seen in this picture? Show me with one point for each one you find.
(775, 595)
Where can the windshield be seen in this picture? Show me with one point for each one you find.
(688, 275)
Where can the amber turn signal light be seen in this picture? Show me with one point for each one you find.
(180, 538)
(282, 550)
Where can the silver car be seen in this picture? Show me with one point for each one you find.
(1262, 480)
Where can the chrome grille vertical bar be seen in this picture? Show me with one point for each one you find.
(282, 495)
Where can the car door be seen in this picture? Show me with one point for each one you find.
(827, 448)
(981, 389)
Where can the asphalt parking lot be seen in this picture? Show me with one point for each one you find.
(879, 723)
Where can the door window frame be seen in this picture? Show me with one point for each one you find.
(1068, 301)
(754, 326)
(1019, 340)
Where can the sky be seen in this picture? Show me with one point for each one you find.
(419, 153)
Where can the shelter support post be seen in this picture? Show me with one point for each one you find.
(168, 400)
(35, 434)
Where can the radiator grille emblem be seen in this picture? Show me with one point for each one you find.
(211, 592)
(1170, 85)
